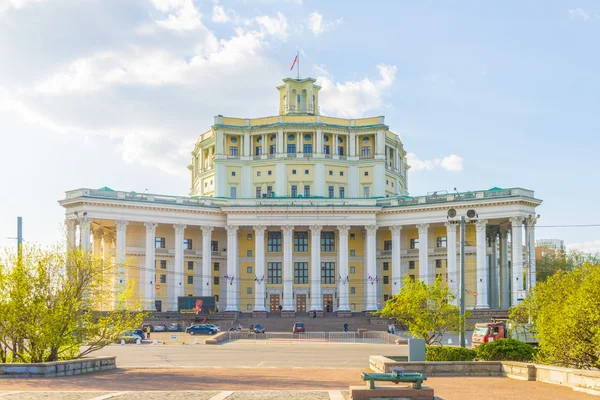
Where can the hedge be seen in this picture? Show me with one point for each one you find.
(449, 353)
(505, 350)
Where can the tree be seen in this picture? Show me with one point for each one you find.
(425, 310)
(566, 313)
(49, 301)
(563, 261)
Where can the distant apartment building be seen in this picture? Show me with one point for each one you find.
(548, 246)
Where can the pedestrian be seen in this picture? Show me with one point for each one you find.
(345, 327)
(393, 327)
(314, 314)
(389, 328)
(148, 332)
(280, 307)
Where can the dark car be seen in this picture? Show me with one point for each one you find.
(200, 330)
(258, 328)
(174, 328)
(298, 327)
(160, 328)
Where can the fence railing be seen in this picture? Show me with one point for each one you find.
(314, 337)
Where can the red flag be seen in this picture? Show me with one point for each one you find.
(294, 63)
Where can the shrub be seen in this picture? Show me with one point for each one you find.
(505, 350)
(449, 353)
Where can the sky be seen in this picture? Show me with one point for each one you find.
(115, 92)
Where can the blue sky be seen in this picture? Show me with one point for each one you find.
(114, 93)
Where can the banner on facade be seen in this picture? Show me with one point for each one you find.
(196, 305)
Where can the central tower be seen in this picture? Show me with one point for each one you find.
(299, 96)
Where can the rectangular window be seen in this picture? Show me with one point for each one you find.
(352, 236)
(274, 272)
(301, 241)
(273, 149)
(330, 173)
(331, 191)
(273, 241)
(301, 272)
(190, 265)
(258, 173)
(216, 266)
(232, 173)
(352, 290)
(232, 192)
(190, 280)
(365, 151)
(386, 266)
(249, 270)
(258, 192)
(216, 280)
(387, 245)
(233, 151)
(308, 148)
(293, 172)
(306, 172)
(341, 173)
(327, 272)
(438, 263)
(269, 191)
(291, 149)
(306, 190)
(249, 290)
(249, 236)
(214, 245)
(163, 279)
(248, 253)
(269, 172)
(163, 264)
(327, 241)
(187, 244)
(352, 253)
(366, 192)
(442, 241)
(414, 244)
(411, 265)
(386, 297)
(294, 191)
(386, 280)
(258, 150)
(366, 173)
(352, 270)
(342, 192)
(340, 151)
(326, 149)
(160, 242)
(248, 307)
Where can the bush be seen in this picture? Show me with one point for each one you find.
(448, 353)
(505, 350)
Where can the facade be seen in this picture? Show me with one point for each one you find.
(549, 246)
(301, 212)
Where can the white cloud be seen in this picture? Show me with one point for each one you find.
(185, 16)
(297, 2)
(452, 163)
(355, 98)
(318, 25)
(18, 4)
(578, 13)
(219, 15)
(589, 247)
(277, 27)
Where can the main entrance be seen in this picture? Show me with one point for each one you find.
(327, 301)
(300, 303)
(274, 302)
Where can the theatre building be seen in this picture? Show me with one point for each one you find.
(302, 212)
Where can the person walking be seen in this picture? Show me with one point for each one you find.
(148, 332)
(393, 328)
(345, 327)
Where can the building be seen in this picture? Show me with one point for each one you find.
(549, 246)
(303, 212)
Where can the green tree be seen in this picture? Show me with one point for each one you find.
(566, 313)
(425, 310)
(567, 261)
(50, 303)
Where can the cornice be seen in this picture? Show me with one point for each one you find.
(401, 209)
(139, 206)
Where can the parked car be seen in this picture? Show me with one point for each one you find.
(129, 337)
(174, 327)
(258, 328)
(298, 327)
(236, 328)
(139, 332)
(160, 328)
(200, 330)
(217, 327)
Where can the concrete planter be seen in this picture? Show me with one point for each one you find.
(58, 368)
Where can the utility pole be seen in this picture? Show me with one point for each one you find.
(19, 234)
(462, 281)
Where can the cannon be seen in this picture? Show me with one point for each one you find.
(414, 378)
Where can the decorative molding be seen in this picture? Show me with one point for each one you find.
(150, 227)
(315, 229)
(396, 229)
(423, 229)
(480, 225)
(259, 230)
(371, 230)
(179, 228)
(232, 230)
(287, 229)
(343, 229)
(451, 226)
(121, 224)
(207, 230)
(516, 222)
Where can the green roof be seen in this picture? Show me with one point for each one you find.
(496, 188)
(106, 189)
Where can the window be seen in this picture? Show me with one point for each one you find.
(327, 272)
(387, 245)
(352, 236)
(269, 191)
(233, 140)
(291, 149)
(307, 138)
(269, 172)
(341, 173)
(365, 151)
(248, 307)
(273, 241)
(301, 241)
(414, 244)
(352, 290)
(325, 138)
(272, 149)
(217, 298)
(187, 244)
(366, 173)
(438, 276)
(216, 280)
(411, 265)
(232, 173)
(331, 192)
(294, 191)
(386, 297)
(306, 172)
(326, 149)
(258, 192)
(232, 192)
(274, 272)
(340, 151)
(249, 290)
(386, 280)
(190, 265)
(306, 190)
(163, 279)
(257, 173)
(352, 270)
(248, 270)
(216, 266)
(160, 243)
(249, 236)
(258, 150)
(340, 140)
(352, 253)
(291, 138)
(330, 173)
(327, 241)
(386, 266)
(248, 253)
(308, 148)
(438, 263)
(365, 192)
(293, 172)
(442, 241)
(190, 280)
(163, 264)
(301, 272)
(233, 151)
(412, 277)
(342, 192)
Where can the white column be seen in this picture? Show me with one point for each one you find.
(121, 275)
(316, 299)
(260, 283)
(451, 261)
(233, 278)
(531, 253)
(504, 272)
(84, 232)
(318, 142)
(149, 271)
(343, 279)
(482, 269)
(71, 227)
(352, 145)
(517, 258)
(178, 282)
(494, 271)
(370, 258)
(288, 271)
(97, 249)
(206, 270)
(396, 260)
(424, 274)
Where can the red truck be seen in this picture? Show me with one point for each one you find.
(489, 331)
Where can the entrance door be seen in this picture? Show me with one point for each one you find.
(327, 301)
(300, 303)
(274, 302)
(158, 305)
